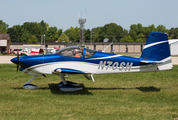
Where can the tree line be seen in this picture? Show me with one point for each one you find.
(33, 32)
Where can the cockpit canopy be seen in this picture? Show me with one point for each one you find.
(76, 51)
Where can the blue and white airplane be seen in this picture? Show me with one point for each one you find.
(79, 60)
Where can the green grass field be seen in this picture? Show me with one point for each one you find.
(132, 96)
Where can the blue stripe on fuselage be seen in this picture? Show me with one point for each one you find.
(112, 57)
(29, 61)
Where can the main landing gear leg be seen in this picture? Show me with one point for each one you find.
(30, 86)
(63, 79)
(67, 85)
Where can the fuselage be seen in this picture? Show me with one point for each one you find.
(98, 63)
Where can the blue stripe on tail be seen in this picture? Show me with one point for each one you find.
(156, 47)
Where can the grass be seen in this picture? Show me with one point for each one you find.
(132, 96)
(7, 54)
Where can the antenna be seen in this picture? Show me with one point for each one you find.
(79, 15)
(107, 47)
(85, 13)
(82, 29)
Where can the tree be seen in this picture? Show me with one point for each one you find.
(133, 35)
(140, 38)
(33, 40)
(173, 33)
(161, 28)
(73, 34)
(145, 31)
(3, 27)
(87, 35)
(35, 28)
(136, 28)
(53, 34)
(62, 38)
(44, 26)
(152, 28)
(127, 39)
(111, 31)
(18, 34)
(96, 34)
(125, 32)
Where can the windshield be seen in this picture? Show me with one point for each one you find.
(76, 51)
(73, 51)
(89, 53)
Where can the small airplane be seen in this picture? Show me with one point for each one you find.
(79, 60)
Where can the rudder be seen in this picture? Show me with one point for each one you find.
(156, 47)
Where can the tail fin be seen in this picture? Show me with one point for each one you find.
(157, 50)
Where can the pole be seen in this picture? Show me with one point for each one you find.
(44, 40)
(44, 44)
(91, 39)
(41, 39)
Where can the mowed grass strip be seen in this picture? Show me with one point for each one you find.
(152, 95)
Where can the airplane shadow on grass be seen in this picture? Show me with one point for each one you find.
(143, 89)
(54, 88)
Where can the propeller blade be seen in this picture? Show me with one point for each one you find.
(17, 67)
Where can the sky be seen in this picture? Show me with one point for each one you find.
(65, 13)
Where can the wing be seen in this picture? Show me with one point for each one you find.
(58, 71)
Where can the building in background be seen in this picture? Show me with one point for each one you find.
(4, 42)
(173, 44)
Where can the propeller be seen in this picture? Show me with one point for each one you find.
(18, 62)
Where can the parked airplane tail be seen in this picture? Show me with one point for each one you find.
(157, 51)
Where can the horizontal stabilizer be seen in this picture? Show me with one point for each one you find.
(152, 62)
(66, 70)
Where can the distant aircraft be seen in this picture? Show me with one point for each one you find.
(79, 60)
